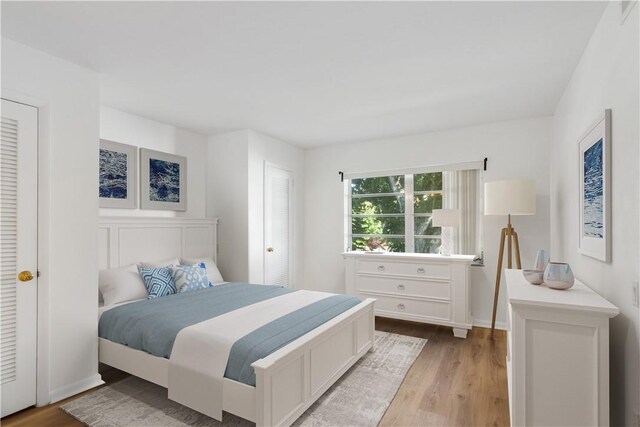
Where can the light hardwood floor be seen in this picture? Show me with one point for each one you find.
(453, 382)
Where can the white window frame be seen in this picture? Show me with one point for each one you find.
(409, 194)
(409, 214)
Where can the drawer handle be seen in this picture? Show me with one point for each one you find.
(400, 306)
(401, 287)
(381, 268)
(421, 270)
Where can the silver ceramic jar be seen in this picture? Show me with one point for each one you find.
(558, 275)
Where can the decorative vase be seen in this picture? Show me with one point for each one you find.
(542, 259)
(558, 275)
(535, 277)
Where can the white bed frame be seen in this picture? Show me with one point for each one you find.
(289, 380)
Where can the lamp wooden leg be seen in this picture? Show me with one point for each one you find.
(498, 275)
(517, 247)
(509, 245)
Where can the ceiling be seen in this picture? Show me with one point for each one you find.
(315, 73)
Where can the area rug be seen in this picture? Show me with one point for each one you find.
(359, 398)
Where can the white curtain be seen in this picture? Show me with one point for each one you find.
(462, 191)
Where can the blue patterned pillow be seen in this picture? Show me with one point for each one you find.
(190, 277)
(158, 281)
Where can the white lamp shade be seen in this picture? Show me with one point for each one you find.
(445, 218)
(514, 197)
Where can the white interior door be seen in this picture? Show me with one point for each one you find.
(18, 255)
(278, 225)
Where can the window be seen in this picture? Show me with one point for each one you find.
(382, 218)
(393, 212)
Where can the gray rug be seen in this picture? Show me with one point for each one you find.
(359, 398)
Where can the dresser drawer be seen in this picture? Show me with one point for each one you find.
(413, 269)
(404, 286)
(421, 309)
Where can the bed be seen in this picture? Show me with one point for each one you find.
(287, 381)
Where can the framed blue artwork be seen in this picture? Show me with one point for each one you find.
(595, 190)
(163, 181)
(117, 175)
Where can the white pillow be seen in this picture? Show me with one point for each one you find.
(158, 264)
(121, 284)
(212, 270)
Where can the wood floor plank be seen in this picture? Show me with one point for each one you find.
(453, 382)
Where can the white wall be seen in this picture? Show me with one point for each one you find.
(68, 101)
(263, 149)
(140, 132)
(235, 195)
(606, 77)
(227, 200)
(516, 149)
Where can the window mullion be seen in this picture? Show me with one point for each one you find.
(348, 215)
(409, 241)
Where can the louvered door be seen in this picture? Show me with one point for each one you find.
(278, 225)
(18, 244)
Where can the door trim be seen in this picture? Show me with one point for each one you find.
(43, 369)
(292, 216)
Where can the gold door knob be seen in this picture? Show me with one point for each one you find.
(270, 249)
(25, 276)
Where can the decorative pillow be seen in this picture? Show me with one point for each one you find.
(189, 278)
(158, 281)
(156, 264)
(212, 270)
(121, 284)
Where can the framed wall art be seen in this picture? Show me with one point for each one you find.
(595, 190)
(117, 175)
(163, 181)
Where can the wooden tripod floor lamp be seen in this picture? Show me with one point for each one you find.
(515, 197)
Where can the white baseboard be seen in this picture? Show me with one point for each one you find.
(487, 324)
(75, 388)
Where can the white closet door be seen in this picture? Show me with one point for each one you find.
(18, 258)
(278, 226)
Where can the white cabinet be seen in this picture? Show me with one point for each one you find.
(557, 354)
(419, 287)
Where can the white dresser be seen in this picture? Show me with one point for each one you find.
(557, 354)
(419, 287)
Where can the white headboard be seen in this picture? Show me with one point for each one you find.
(128, 240)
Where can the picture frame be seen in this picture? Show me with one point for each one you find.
(163, 181)
(117, 175)
(594, 238)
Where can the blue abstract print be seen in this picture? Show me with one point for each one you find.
(164, 181)
(113, 174)
(593, 210)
